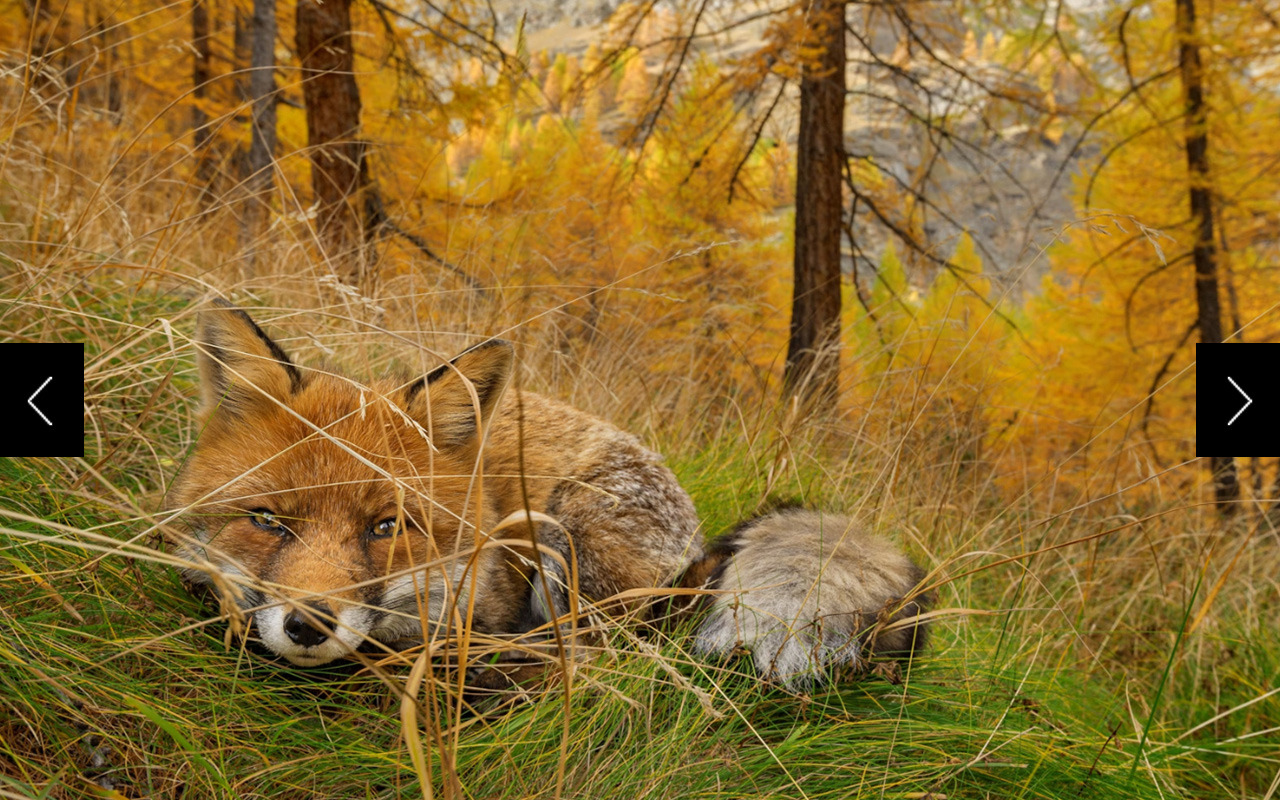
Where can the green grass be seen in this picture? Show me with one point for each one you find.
(1080, 678)
(105, 682)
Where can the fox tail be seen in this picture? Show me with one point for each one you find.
(805, 592)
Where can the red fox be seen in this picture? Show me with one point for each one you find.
(339, 513)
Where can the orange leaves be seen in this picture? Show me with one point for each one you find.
(1113, 331)
(595, 237)
(790, 44)
(636, 87)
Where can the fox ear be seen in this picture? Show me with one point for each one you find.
(239, 364)
(442, 401)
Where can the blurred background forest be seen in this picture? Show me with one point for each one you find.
(941, 264)
(1015, 253)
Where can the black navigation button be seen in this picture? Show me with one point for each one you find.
(42, 399)
(1237, 399)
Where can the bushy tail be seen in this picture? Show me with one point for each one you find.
(805, 592)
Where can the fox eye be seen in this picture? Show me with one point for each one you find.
(384, 529)
(267, 520)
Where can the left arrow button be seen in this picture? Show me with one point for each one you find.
(31, 401)
(42, 397)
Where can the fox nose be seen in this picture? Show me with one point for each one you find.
(304, 631)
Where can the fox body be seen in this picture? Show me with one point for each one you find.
(336, 512)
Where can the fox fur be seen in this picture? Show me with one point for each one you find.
(804, 591)
(336, 513)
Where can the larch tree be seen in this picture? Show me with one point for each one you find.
(201, 72)
(931, 108)
(813, 358)
(241, 54)
(262, 88)
(1177, 248)
(332, 99)
(1196, 128)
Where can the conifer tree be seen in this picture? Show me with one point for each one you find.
(201, 71)
(338, 169)
(262, 88)
(1190, 70)
(813, 361)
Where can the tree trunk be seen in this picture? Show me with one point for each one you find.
(333, 122)
(1274, 514)
(43, 35)
(241, 54)
(262, 87)
(201, 72)
(1226, 483)
(813, 357)
(110, 62)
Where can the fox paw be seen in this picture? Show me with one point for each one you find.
(795, 653)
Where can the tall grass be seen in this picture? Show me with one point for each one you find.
(1108, 650)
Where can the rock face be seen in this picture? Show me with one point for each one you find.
(553, 14)
(1009, 190)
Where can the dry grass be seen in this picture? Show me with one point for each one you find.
(1123, 646)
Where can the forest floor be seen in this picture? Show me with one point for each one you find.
(1077, 655)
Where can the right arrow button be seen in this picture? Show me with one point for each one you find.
(1248, 401)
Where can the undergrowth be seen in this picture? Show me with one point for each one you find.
(1074, 672)
(115, 680)
(1090, 642)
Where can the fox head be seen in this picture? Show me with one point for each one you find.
(340, 512)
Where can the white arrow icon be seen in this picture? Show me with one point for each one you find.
(1248, 401)
(32, 398)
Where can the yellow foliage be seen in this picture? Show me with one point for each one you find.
(592, 215)
(924, 362)
(636, 88)
(1103, 386)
